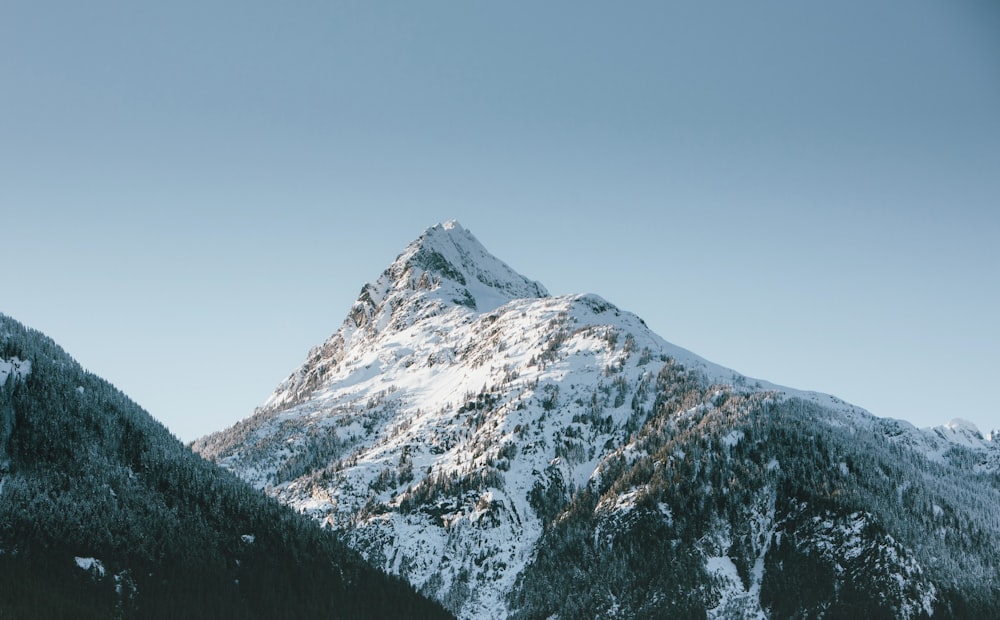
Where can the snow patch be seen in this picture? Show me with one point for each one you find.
(732, 438)
(18, 367)
(90, 564)
(624, 503)
(666, 512)
(734, 600)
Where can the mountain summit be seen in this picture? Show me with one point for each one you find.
(445, 267)
(515, 455)
(445, 270)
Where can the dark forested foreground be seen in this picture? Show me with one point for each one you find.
(103, 514)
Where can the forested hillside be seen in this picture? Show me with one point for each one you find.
(104, 514)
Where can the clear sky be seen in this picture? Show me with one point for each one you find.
(193, 193)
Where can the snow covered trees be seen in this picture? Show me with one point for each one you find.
(91, 475)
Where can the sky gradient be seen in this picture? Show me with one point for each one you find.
(193, 193)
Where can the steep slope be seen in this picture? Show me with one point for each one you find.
(500, 448)
(104, 514)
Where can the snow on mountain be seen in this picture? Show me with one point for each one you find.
(14, 366)
(940, 444)
(458, 401)
(963, 431)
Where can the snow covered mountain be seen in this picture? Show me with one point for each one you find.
(513, 454)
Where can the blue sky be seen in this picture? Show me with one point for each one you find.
(193, 193)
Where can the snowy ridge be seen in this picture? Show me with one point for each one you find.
(941, 443)
(457, 391)
(937, 444)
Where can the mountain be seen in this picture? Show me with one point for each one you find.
(104, 514)
(516, 455)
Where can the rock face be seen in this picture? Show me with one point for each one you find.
(513, 454)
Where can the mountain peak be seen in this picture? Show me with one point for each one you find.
(446, 269)
(450, 225)
(446, 255)
(443, 268)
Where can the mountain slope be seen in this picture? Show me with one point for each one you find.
(501, 449)
(104, 514)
